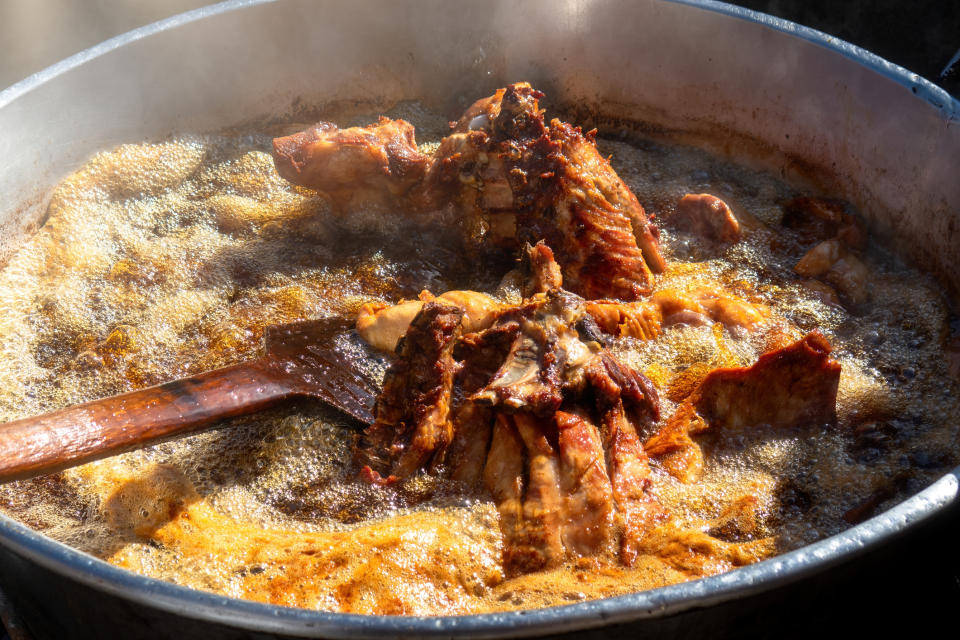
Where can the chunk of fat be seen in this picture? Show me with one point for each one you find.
(382, 326)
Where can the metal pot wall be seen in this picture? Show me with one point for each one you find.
(759, 89)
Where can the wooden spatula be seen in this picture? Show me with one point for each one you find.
(305, 359)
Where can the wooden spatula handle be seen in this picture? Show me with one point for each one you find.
(97, 429)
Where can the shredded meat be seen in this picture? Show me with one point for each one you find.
(791, 387)
(513, 178)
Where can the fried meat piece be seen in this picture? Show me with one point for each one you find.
(355, 167)
(707, 216)
(383, 325)
(646, 319)
(544, 272)
(840, 267)
(588, 498)
(818, 219)
(480, 356)
(412, 427)
(637, 510)
(545, 354)
(529, 411)
(513, 179)
(795, 386)
(518, 180)
(577, 483)
(566, 488)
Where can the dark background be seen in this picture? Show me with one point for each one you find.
(919, 35)
(915, 586)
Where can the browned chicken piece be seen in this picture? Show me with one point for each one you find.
(794, 386)
(412, 427)
(707, 216)
(543, 418)
(355, 167)
(646, 319)
(513, 179)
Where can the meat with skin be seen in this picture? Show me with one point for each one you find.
(355, 167)
(795, 386)
(646, 319)
(708, 217)
(383, 325)
(513, 179)
(412, 427)
(527, 410)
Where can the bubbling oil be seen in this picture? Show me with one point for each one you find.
(160, 260)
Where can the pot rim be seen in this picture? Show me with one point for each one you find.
(654, 603)
(775, 572)
(923, 89)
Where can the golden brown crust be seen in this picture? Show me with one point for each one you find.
(795, 386)
(412, 427)
(707, 216)
(355, 167)
(567, 482)
(513, 179)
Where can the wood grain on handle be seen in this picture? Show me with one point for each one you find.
(97, 429)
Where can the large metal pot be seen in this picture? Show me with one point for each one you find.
(757, 88)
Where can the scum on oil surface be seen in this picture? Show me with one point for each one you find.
(165, 259)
